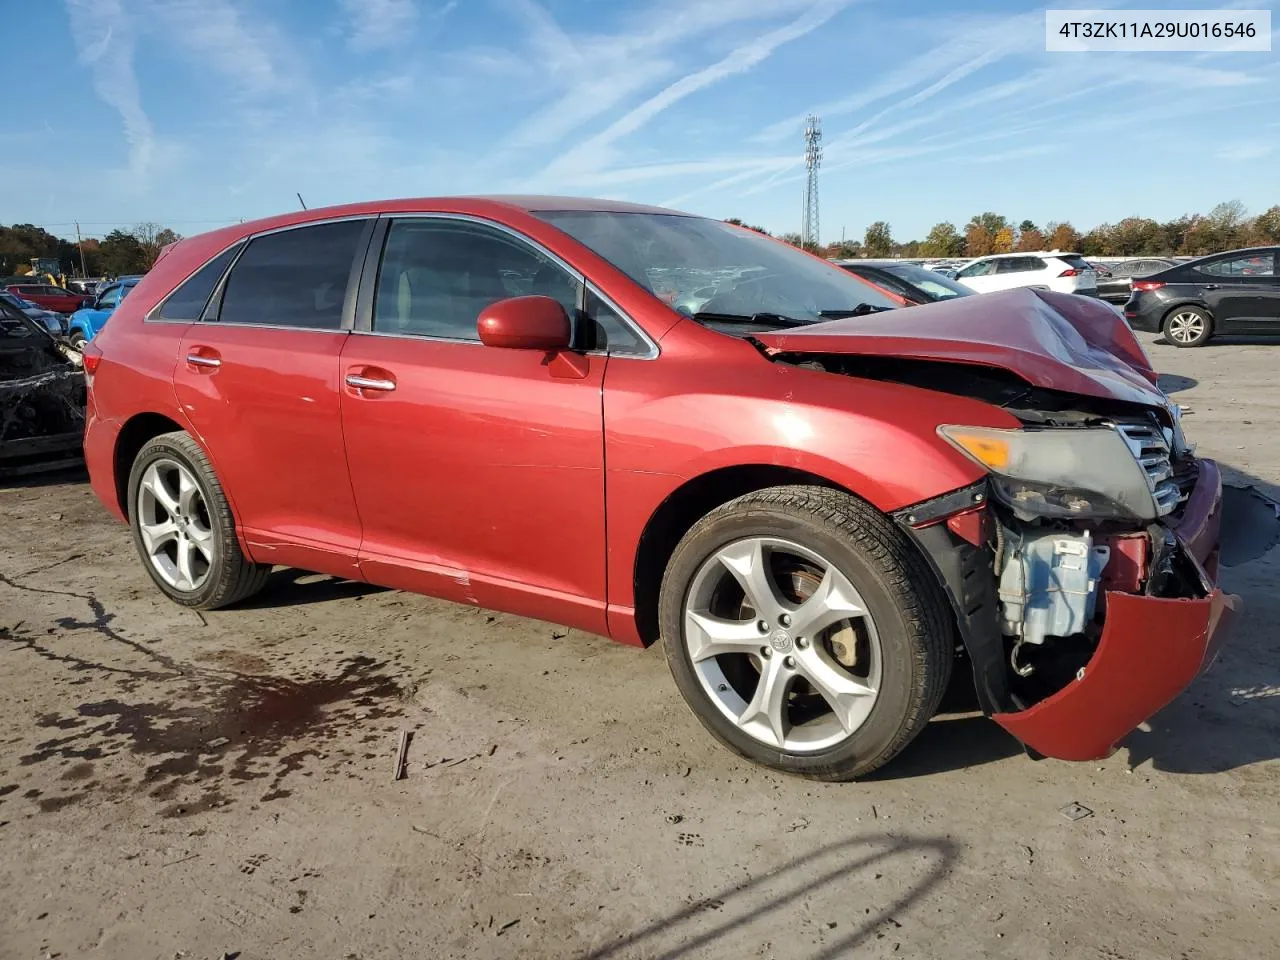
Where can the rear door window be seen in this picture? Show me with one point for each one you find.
(188, 301)
(294, 278)
(1254, 265)
(1020, 265)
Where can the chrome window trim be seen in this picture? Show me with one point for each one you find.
(652, 352)
(311, 223)
(269, 326)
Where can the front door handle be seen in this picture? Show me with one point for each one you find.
(1211, 286)
(369, 383)
(203, 357)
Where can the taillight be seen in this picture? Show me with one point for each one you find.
(92, 357)
(1146, 285)
(1070, 273)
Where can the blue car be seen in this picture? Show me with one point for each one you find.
(85, 323)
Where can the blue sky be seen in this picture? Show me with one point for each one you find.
(194, 113)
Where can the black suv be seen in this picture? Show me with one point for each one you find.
(1236, 292)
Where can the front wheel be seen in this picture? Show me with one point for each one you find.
(805, 632)
(183, 527)
(1188, 327)
(77, 338)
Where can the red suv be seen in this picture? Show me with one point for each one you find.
(50, 297)
(660, 427)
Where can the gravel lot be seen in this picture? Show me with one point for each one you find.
(178, 785)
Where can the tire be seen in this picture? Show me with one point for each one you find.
(1187, 327)
(77, 338)
(907, 624)
(217, 571)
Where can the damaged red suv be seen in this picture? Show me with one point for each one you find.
(660, 427)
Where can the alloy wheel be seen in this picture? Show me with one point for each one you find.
(782, 644)
(1186, 327)
(173, 520)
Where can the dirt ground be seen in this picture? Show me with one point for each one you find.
(178, 785)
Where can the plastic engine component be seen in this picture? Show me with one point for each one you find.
(1049, 583)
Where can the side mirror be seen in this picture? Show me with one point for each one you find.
(525, 323)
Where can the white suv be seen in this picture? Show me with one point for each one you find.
(1063, 272)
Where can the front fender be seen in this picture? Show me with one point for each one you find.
(877, 440)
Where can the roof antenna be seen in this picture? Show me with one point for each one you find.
(301, 201)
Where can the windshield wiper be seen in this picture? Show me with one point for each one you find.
(860, 310)
(770, 319)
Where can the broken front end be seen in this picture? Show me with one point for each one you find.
(42, 399)
(1082, 570)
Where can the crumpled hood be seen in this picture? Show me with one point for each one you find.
(1059, 341)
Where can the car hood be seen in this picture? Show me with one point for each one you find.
(1057, 341)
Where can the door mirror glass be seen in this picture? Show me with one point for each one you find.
(525, 323)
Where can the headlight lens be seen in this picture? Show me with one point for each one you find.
(1059, 472)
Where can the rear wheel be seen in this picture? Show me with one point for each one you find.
(1188, 327)
(183, 527)
(805, 632)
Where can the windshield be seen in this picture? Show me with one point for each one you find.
(701, 266)
(934, 284)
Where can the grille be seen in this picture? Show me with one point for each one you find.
(1150, 447)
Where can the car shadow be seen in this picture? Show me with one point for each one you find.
(43, 476)
(1226, 340)
(1173, 383)
(287, 587)
(742, 917)
(950, 742)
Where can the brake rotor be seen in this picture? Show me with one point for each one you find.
(841, 641)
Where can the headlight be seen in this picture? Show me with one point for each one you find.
(1059, 472)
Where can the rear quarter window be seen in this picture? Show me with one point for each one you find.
(189, 300)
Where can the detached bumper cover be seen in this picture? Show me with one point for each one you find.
(1150, 651)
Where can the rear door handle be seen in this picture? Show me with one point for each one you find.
(369, 383)
(1211, 286)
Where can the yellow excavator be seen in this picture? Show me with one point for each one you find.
(48, 270)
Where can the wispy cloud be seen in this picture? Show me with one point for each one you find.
(104, 41)
(973, 47)
(376, 24)
(250, 54)
(595, 150)
(1244, 150)
(596, 73)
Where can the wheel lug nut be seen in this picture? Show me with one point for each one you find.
(789, 663)
(785, 620)
(801, 643)
(762, 626)
(766, 652)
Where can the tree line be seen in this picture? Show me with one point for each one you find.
(119, 253)
(1226, 227)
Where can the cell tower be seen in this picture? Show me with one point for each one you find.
(812, 160)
